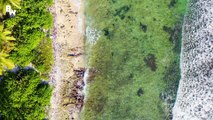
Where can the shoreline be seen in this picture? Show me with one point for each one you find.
(69, 64)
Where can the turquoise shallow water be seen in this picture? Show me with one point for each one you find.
(136, 59)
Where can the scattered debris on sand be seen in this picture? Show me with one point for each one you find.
(67, 72)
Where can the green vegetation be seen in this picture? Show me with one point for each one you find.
(24, 40)
(31, 30)
(30, 42)
(4, 62)
(137, 58)
(6, 45)
(3, 3)
(28, 25)
(7, 42)
(23, 96)
(44, 59)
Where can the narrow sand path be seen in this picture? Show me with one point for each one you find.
(68, 45)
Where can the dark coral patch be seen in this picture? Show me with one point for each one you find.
(122, 11)
(143, 27)
(150, 61)
(172, 3)
(140, 92)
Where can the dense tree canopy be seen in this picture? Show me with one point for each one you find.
(28, 25)
(23, 95)
(24, 39)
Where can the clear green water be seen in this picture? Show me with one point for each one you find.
(136, 57)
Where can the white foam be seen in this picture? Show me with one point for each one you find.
(195, 94)
(86, 75)
(92, 35)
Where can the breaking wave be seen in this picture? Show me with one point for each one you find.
(195, 94)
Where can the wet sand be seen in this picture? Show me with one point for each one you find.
(68, 70)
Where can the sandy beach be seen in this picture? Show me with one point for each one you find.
(68, 70)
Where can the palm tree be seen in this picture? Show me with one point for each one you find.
(3, 3)
(15, 3)
(5, 63)
(6, 45)
(6, 40)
